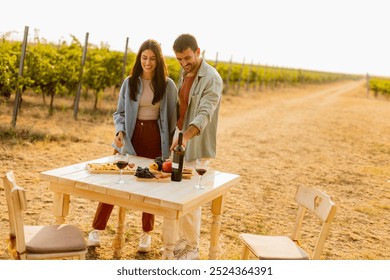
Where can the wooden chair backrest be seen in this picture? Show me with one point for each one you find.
(17, 203)
(320, 204)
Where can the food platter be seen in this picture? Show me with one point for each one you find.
(130, 169)
(160, 176)
(110, 168)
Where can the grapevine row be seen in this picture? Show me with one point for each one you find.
(53, 69)
(380, 86)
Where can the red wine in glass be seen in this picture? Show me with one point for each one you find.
(121, 161)
(121, 164)
(200, 171)
(201, 166)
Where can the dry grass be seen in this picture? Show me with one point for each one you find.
(332, 137)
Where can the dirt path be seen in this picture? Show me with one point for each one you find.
(330, 137)
(333, 137)
(322, 98)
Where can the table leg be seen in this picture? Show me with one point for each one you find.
(60, 207)
(119, 239)
(170, 230)
(216, 209)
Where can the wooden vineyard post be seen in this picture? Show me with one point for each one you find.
(255, 79)
(262, 79)
(216, 61)
(203, 55)
(76, 103)
(368, 84)
(18, 90)
(240, 77)
(248, 79)
(125, 59)
(228, 75)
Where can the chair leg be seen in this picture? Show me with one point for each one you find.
(245, 253)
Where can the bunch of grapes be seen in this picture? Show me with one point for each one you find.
(143, 173)
(159, 161)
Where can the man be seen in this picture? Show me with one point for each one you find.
(200, 92)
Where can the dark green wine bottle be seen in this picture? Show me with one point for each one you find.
(178, 159)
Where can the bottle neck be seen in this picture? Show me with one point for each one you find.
(180, 141)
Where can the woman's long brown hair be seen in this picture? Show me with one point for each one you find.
(159, 81)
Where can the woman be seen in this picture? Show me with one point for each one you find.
(145, 121)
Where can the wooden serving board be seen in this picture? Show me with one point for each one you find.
(109, 168)
(153, 180)
(165, 177)
(187, 173)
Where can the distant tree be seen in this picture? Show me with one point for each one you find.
(9, 66)
(102, 70)
(45, 68)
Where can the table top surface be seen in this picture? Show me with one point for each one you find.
(167, 193)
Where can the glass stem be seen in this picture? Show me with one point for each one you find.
(200, 181)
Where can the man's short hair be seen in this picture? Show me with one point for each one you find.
(183, 42)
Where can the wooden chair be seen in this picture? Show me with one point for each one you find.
(38, 242)
(282, 247)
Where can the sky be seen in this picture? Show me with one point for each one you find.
(344, 36)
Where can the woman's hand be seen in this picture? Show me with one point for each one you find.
(118, 141)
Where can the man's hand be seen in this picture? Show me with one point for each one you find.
(191, 131)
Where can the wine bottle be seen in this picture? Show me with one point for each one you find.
(178, 158)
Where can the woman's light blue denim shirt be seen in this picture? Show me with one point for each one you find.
(127, 110)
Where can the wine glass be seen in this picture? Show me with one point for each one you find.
(201, 166)
(121, 161)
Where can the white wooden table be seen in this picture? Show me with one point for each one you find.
(171, 200)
